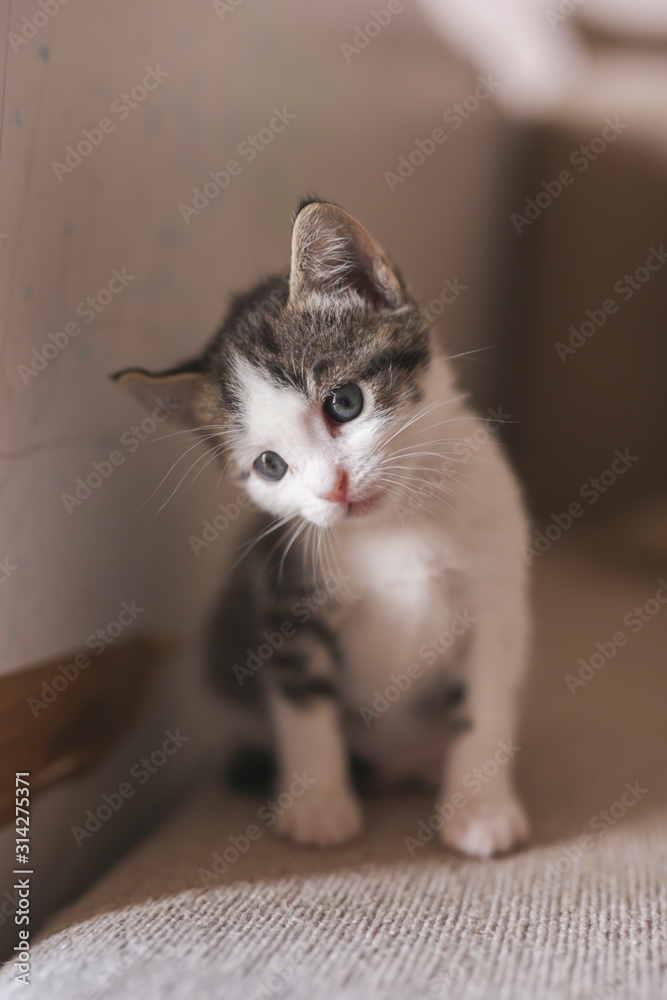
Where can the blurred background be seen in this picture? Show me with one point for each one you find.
(534, 232)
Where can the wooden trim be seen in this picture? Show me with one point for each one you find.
(60, 717)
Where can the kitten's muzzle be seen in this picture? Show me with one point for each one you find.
(362, 506)
(338, 492)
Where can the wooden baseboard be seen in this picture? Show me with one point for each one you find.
(60, 717)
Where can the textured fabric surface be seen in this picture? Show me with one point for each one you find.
(562, 918)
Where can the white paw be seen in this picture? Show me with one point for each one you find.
(486, 827)
(321, 819)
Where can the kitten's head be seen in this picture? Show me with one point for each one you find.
(310, 376)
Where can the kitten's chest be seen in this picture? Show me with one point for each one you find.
(403, 642)
(407, 588)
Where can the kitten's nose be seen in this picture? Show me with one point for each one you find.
(338, 494)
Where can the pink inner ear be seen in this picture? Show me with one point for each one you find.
(362, 282)
(332, 252)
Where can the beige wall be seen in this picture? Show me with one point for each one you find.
(63, 237)
(119, 210)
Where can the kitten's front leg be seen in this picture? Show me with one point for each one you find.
(481, 759)
(306, 719)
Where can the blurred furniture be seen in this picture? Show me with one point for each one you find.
(63, 232)
(559, 918)
(200, 910)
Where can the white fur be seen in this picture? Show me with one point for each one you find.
(400, 571)
(281, 419)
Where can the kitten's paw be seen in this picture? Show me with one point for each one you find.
(484, 828)
(322, 819)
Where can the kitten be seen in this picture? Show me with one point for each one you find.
(391, 619)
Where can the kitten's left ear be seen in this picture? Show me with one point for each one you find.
(177, 392)
(333, 253)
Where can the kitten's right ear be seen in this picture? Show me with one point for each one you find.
(179, 392)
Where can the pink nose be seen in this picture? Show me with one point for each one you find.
(339, 492)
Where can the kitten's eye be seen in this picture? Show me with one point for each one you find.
(344, 403)
(270, 465)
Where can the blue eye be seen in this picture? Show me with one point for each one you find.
(270, 465)
(344, 403)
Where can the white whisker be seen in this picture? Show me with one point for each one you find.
(182, 479)
(178, 460)
(289, 545)
(195, 430)
(273, 526)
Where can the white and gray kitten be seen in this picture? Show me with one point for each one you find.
(390, 621)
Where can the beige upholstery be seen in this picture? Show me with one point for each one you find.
(369, 920)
